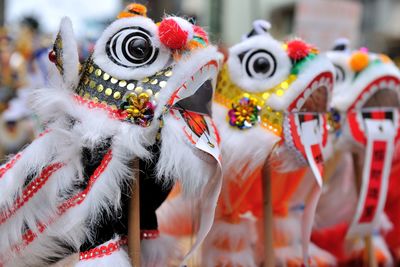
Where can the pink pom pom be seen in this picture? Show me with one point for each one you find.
(297, 49)
(172, 34)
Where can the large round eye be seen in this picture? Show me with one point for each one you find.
(131, 47)
(340, 74)
(259, 64)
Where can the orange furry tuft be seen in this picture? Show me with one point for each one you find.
(133, 10)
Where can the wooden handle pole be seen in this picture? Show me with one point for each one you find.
(369, 253)
(134, 219)
(269, 260)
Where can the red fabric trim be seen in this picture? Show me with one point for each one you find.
(9, 164)
(30, 190)
(149, 234)
(112, 113)
(80, 197)
(355, 129)
(366, 89)
(103, 250)
(30, 236)
(328, 75)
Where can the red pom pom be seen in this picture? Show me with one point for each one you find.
(297, 49)
(171, 34)
(200, 32)
(52, 56)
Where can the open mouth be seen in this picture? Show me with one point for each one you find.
(196, 93)
(380, 93)
(315, 97)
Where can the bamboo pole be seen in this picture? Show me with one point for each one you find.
(134, 219)
(269, 257)
(369, 253)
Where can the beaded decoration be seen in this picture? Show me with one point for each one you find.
(231, 96)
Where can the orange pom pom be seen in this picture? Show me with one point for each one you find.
(133, 10)
(359, 61)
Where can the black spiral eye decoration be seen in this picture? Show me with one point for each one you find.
(259, 64)
(131, 47)
(339, 73)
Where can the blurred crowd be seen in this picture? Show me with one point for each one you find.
(24, 66)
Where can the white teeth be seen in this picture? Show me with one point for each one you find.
(300, 103)
(307, 93)
(322, 82)
(365, 96)
(373, 89)
(314, 86)
(329, 86)
(383, 85)
(391, 85)
(358, 104)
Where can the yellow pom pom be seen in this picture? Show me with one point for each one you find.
(385, 58)
(359, 61)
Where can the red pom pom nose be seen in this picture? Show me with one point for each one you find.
(297, 49)
(174, 33)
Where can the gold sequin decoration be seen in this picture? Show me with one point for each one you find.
(98, 72)
(139, 89)
(91, 69)
(95, 99)
(162, 84)
(168, 73)
(145, 80)
(154, 81)
(106, 76)
(86, 96)
(228, 93)
(114, 81)
(117, 95)
(108, 91)
(92, 84)
(130, 86)
(100, 88)
(122, 83)
(149, 92)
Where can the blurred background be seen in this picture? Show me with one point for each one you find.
(28, 27)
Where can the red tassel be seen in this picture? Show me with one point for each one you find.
(297, 49)
(171, 34)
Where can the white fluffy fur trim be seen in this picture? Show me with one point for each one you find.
(236, 233)
(69, 53)
(101, 58)
(287, 230)
(242, 151)
(158, 252)
(379, 244)
(179, 159)
(178, 211)
(240, 235)
(284, 255)
(244, 258)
